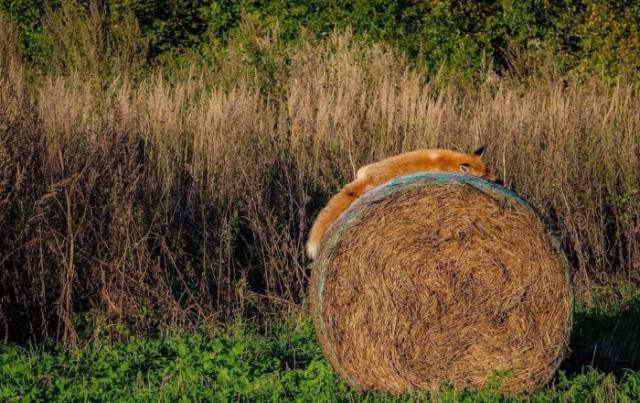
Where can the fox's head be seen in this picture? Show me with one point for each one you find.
(472, 165)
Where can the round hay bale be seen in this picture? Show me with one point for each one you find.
(439, 277)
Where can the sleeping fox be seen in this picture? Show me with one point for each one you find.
(375, 174)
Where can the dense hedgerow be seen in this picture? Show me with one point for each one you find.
(586, 36)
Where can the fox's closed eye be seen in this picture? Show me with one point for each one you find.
(466, 168)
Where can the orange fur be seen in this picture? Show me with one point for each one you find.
(380, 172)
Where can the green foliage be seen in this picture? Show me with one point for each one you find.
(168, 24)
(285, 364)
(607, 335)
(234, 364)
(27, 16)
(587, 36)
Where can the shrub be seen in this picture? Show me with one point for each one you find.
(586, 36)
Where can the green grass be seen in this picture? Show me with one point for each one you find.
(285, 364)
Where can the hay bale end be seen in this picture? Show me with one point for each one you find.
(439, 277)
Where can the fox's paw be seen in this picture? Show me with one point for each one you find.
(312, 249)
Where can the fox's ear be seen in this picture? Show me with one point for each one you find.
(479, 151)
(466, 168)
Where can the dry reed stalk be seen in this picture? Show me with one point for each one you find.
(191, 195)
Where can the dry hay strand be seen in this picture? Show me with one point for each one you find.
(437, 278)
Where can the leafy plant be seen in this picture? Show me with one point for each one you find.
(245, 363)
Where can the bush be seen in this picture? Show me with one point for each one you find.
(586, 36)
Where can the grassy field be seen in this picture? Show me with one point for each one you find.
(171, 198)
(153, 217)
(284, 363)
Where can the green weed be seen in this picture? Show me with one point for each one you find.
(284, 363)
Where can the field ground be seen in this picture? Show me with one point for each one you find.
(141, 199)
(284, 363)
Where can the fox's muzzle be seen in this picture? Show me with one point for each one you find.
(489, 176)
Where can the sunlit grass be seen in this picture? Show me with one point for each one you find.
(166, 200)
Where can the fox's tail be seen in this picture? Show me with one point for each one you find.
(330, 212)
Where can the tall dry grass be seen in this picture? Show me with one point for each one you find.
(160, 201)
